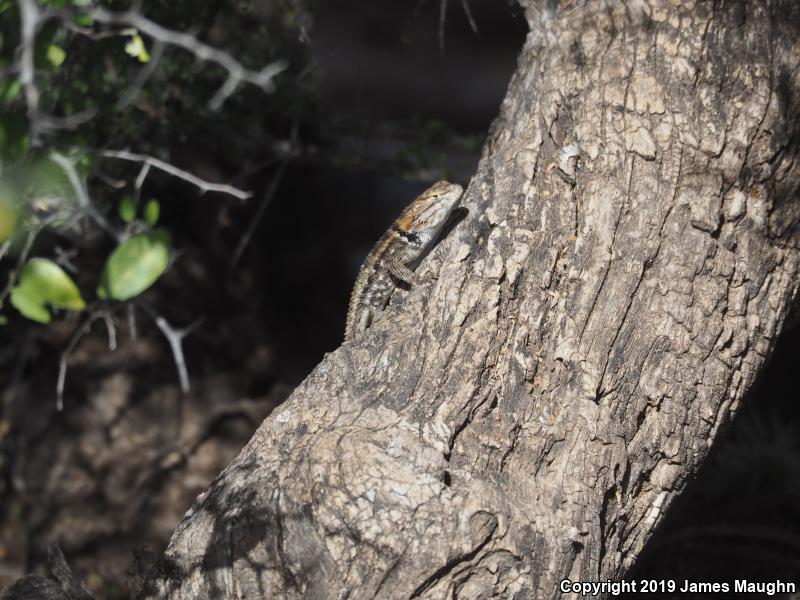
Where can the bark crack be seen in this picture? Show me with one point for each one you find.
(445, 570)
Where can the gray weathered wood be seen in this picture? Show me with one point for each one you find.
(629, 256)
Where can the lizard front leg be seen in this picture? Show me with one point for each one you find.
(401, 272)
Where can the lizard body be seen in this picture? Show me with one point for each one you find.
(391, 260)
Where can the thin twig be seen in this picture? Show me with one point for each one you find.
(65, 356)
(64, 258)
(442, 20)
(151, 161)
(473, 25)
(131, 313)
(112, 331)
(51, 122)
(146, 72)
(116, 184)
(4, 248)
(254, 222)
(137, 185)
(89, 32)
(82, 195)
(175, 339)
(73, 342)
(77, 185)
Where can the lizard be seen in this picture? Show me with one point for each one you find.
(395, 254)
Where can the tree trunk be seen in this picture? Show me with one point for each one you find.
(629, 256)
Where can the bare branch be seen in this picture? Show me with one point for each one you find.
(147, 71)
(112, 331)
(32, 19)
(473, 25)
(82, 195)
(131, 314)
(237, 73)
(4, 248)
(64, 258)
(51, 122)
(254, 222)
(137, 185)
(116, 184)
(442, 21)
(230, 85)
(63, 362)
(175, 339)
(151, 161)
(29, 23)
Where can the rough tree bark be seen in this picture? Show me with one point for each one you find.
(629, 256)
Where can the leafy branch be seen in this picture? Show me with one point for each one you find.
(36, 286)
(32, 19)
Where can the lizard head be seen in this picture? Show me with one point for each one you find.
(431, 208)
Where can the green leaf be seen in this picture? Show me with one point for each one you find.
(3, 320)
(9, 90)
(29, 305)
(127, 209)
(49, 281)
(56, 55)
(134, 266)
(42, 43)
(137, 49)
(152, 210)
(44, 184)
(42, 282)
(8, 217)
